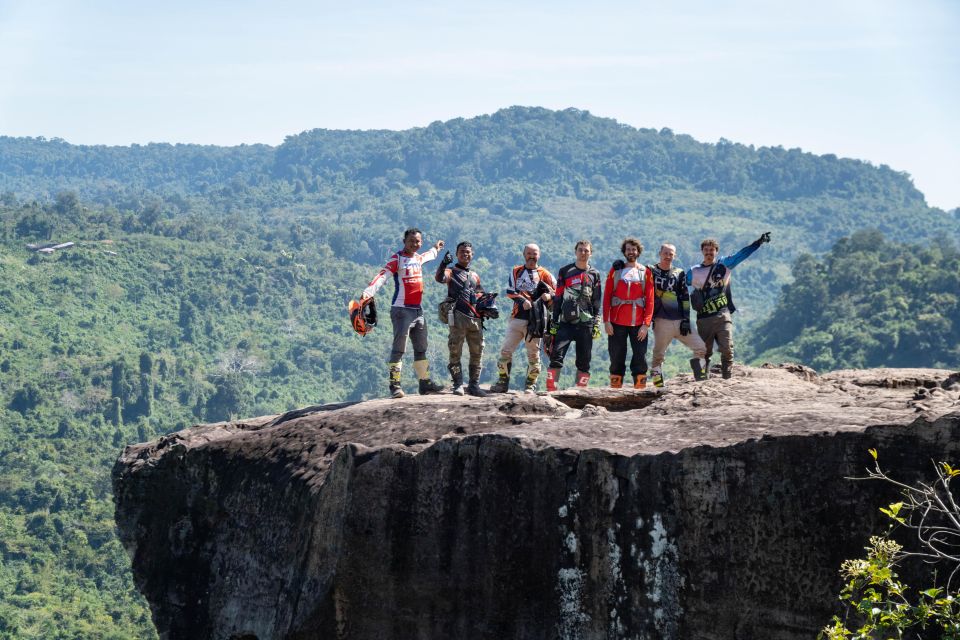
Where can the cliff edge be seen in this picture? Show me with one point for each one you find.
(711, 510)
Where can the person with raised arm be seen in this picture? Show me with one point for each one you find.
(406, 312)
(712, 298)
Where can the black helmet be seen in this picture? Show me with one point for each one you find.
(487, 306)
(363, 315)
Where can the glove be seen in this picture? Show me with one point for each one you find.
(446, 259)
(685, 327)
(618, 264)
(553, 330)
(764, 237)
(548, 341)
(596, 332)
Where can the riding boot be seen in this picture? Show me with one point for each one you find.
(553, 375)
(698, 366)
(533, 373)
(583, 378)
(474, 387)
(456, 374)
(657, 377)
(394, 376)
(503, 376)
(427, 386)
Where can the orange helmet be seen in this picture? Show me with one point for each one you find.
(363, 315)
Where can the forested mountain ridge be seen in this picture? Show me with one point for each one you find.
(533, 145)
(868, 303)
(40, 164)
(543, 146)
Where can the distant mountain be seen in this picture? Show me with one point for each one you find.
(532, 145)
(542, 146)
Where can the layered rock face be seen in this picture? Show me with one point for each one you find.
(711, 510)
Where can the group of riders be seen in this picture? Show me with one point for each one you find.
(549, 313)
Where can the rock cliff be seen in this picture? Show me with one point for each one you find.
(710, 510)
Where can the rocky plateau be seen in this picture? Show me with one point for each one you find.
(702, 511)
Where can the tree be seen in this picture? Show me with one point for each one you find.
(67, 203)
(877, 603)
(230, 399)
(25, 398)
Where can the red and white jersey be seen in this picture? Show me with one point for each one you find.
(407, 277)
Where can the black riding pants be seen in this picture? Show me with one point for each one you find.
(617, 345)
(582, 334)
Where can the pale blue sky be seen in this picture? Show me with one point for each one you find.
(875, 80)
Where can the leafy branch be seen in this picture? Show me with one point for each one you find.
(877, 603)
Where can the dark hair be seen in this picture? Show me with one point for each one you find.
(586, 242)
(634, 242)
(409, 232)
(463, 244)
(710, 242)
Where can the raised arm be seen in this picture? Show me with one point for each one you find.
(443, 274)
(746, 252)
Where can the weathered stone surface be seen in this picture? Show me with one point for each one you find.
(715, 510)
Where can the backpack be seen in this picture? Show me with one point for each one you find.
(576, 303)
(538, 318)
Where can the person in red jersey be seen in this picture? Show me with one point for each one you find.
(627, 313)
(406, 312)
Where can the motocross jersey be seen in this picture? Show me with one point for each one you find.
(463, 285)
(628, 296)
(522, 283)
(407, 278)
(671, 298)
(714, 281)
(579, 294)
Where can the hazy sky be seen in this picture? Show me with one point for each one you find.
(869, 79)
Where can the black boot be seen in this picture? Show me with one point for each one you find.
(456, 374)
(474, 387)
(726, 370)
(699, 373)
(428, 387)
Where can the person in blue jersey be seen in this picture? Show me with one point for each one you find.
(712, 298)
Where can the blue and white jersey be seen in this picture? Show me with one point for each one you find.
(716, 293)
